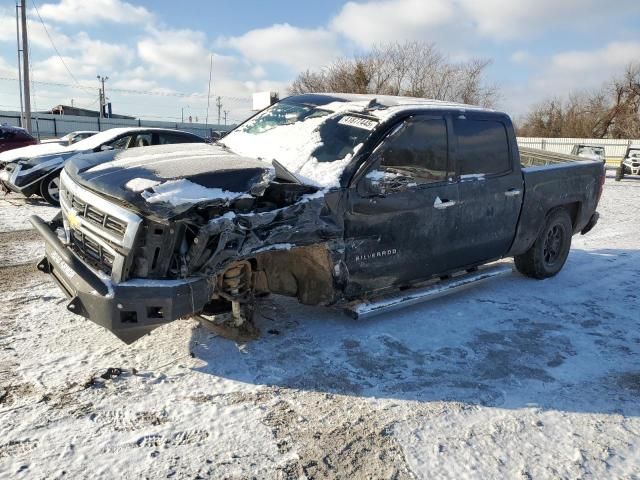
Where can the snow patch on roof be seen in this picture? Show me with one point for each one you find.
(180, 192)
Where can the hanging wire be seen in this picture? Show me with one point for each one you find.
(53, 44)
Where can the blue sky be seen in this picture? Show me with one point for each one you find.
(539, 48)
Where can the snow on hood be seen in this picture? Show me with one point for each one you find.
(181, 192)
(33, 151)
(165, 180)
(293, 145)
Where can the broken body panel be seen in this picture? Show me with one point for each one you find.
(177, 233)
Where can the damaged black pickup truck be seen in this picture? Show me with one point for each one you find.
(338, 200)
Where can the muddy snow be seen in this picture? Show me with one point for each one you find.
(513, 379)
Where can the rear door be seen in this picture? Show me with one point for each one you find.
(490, 188)
(402, 209)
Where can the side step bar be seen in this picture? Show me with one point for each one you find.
(433, 290)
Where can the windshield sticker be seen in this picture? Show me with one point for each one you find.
(358, 122)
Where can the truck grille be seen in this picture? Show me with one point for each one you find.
(91, 251)
(99, 232)
(96, 216)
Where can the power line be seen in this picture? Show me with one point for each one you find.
(52, 43)
(137, 92)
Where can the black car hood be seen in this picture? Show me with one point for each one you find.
(112, 173)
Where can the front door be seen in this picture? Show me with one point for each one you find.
(402, 209)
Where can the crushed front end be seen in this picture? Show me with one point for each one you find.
(131, 272)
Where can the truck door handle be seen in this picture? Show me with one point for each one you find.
(443, 204)
(512, 192)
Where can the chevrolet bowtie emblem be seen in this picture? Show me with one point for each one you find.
(72, 218)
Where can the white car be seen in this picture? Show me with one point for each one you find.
(592, 152)
(71, 138)
(35, 170)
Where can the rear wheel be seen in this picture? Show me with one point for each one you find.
(619, 173)
(549, 252)
(50, 189)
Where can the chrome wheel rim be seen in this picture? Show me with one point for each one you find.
(53, 188)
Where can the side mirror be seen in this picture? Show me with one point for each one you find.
(104, 148)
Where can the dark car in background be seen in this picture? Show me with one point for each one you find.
(39, 175)
(14, 137)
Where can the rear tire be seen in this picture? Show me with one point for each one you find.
(50, 189)
(549, 252)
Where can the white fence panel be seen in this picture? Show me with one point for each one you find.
(614, 148)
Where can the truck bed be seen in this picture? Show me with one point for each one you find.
(552, 180)
(532, 157)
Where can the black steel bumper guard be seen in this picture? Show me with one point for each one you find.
(129, 309)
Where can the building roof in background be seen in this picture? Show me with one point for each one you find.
(82, 112)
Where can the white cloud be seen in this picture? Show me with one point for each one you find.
(570, 72)
(181, 54)
(298, 48)
(521, 57)
(601, 62)
(391, 20)
(94, 11)
(37, 34)
(465, 22)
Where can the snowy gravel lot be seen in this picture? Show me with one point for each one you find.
(513, 379)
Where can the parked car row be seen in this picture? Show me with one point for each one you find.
(361, 203)
(35, 170)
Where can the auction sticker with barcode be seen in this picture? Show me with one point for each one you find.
(358, 122)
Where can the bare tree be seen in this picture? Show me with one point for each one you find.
(413, 69)
(612, 111)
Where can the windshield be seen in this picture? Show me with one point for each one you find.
(314, 142)
(634, 153)
(98, 139)
(591, 151)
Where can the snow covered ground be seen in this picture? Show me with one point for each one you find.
(513, 379)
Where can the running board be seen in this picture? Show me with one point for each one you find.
(437, 289)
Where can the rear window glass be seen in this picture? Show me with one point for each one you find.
(482, 147)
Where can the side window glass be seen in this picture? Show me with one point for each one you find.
(121, 142)
(143, 140)
(483, 148)
(167, 138)
(415, 153)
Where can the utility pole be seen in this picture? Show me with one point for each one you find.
(225, 117)
(209, 90)
(219, 105)
(19, 66)
(103, 98)
(25, 66)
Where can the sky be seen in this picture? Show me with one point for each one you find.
(157, 53)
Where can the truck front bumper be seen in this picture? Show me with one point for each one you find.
(129, 309)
